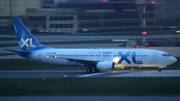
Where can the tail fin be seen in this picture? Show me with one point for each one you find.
(26, 41)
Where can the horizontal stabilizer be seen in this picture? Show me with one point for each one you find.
(17, 51)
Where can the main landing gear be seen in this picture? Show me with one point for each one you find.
(90, 70)
(159, 70)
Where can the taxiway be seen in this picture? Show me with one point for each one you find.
(82, 73)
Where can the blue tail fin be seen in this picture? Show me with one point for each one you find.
(26, 41)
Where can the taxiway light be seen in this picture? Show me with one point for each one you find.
(44, 78)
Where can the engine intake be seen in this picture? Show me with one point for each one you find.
(104, 65)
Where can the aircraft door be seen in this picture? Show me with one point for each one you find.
(100, 55)
(154, 56)
(40, 56)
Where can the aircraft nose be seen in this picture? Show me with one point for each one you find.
(173, 59)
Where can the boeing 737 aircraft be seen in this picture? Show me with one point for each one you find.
(94, 59)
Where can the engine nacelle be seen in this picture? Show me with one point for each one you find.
(104, 65)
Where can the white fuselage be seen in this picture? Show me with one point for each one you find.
(121, 57)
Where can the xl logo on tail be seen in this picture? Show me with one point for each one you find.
(25, 42)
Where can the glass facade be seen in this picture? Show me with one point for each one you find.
(17, 7)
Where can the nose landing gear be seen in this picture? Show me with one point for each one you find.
(159, 70)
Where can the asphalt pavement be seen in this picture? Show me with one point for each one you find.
(83, 74)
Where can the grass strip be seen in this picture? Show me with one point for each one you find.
(23, 64)
(7, 39)
(8, 45)
(69, 42)
(5, 54)
(121, 33)
(80, 42)
(90, 86)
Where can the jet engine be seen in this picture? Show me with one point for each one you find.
(104, 65)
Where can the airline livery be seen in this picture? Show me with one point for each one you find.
(94, 59)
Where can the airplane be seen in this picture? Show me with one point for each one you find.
(94, 59)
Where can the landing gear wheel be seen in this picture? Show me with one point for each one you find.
(96, 71)
(89, 70)
(159, 70)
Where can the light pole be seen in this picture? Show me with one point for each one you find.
(144, 38)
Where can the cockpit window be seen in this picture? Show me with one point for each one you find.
(166, 54)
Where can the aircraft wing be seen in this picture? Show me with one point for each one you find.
(79, 61)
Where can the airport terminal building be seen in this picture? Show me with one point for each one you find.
(84, 17)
